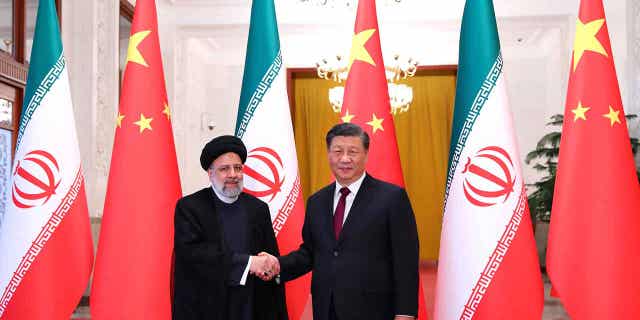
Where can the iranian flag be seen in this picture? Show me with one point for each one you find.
(488, 267)
(45, 240)
(264, 124)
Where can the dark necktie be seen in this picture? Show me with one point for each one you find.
(338, 216)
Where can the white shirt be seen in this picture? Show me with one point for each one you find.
(353, 188)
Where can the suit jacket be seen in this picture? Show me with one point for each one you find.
(203, 264)
(371, 271)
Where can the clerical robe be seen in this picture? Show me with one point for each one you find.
(208, 265)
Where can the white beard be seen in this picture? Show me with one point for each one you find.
(231, 192)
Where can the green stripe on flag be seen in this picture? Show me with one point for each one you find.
(478, 103)
(262, 63)
(30, 106)
(246, 113)
(46, 61)
(479, 65)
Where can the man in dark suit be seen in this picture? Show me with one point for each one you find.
(359, 239)
(219, 231)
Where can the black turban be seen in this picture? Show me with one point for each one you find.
(221, 145)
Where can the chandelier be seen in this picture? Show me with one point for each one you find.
(400, 95)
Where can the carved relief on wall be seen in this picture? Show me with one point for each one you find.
(634, 43)
(633, 105)
(5, 169)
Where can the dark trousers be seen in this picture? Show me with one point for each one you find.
(332, 310)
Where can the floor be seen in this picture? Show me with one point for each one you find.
(553, 309)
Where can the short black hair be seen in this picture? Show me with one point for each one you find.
(348, 130)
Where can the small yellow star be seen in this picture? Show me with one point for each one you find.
(144, 123)
(580, 112)
(586, 40)
(376, 124)
(358, 51)
(167, 111)
(613, 116)
(133, 54)
(119, 120)
(347, 117)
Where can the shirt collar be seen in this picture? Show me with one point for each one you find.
(224, 198)
(353, 187)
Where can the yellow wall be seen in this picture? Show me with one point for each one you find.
(423, 135)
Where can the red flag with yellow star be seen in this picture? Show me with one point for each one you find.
(594, 236)
(366, 97)
(366, 103)
(132, 278)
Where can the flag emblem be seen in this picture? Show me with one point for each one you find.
(36, 178)
(264, 160)
(489, 176)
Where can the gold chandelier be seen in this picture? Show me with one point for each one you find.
(400, 95)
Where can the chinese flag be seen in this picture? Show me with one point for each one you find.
(132, 277)
(594, 236)
(366, 103)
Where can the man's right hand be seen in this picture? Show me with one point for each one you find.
(264, 266)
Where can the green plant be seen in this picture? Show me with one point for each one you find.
(545, 156)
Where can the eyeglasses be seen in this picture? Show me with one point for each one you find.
(227, 169)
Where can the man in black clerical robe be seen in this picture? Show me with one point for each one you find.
(219, 232)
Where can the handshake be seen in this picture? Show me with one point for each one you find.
(265, 267)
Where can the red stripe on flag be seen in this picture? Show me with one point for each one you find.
(52, 276)
(512, 283)
(288, 228)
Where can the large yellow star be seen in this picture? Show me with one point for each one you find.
(586, 40)
(613, 116)
(358, 51)
(133, 54)
(347, 117)
(119, 120)
(376, 124)
(580, 112)
(144, 123)
(167, 111)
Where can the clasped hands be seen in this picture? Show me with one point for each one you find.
(264, 266)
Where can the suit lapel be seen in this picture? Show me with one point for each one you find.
(363, 197)
(327, 210)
